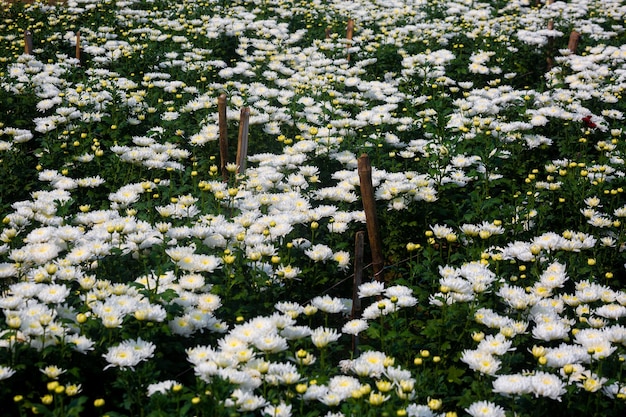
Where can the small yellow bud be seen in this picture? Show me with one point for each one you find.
(478, 336)
(435, 404)
(538, 351)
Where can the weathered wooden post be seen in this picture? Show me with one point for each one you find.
(349, 34)
(223, 128)
(574, 37)
(369, 206)
(28, 42)
(359, 241)
(78, 46)
(550, 59)
(242, 143)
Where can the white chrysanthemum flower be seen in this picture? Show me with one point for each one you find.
(270, 343)
(342, 258)
(290, 308)
(6, 372)
(295, 332)
(129, 353)
(208, 302)
(550, 328)
(370, 289)
(371, 363)
(485, 409)
(319, 253)
(81, 344)
(199, 263)
(37, 253)
(514, 384)
(354, 327)
(481, 361)
(53, 293)
(246, 401)
(343, 385)
(52, 371)
(7, 270)
(544, 384)
(496, 345)
(328, 304)
(161, 387)
(322, 336)
(192, 282)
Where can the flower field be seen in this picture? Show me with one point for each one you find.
(147, 271)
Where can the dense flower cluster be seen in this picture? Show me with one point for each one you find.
(191, 285)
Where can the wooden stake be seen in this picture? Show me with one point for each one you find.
(223, 128)
(78, 46)
(369, 206)
(359, 242)
(574, 37)
(349, 33)
(242, 143)
(550, 59)
(28, 42)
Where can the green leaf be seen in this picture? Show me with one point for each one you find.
(454, 375)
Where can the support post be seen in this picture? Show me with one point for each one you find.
(550, 59)
(574, 37)
(349, 34)
(28, 42)
(359, 241)
(242, 143)
(369, 206)
(78, 46)
(223, 128)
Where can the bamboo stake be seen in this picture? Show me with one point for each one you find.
(574, 37)
(242, 143)
(359, 241)
(369, 206)
(78, 46)
(28, 42)
(223, 128)
(349, 33)
(550, 59)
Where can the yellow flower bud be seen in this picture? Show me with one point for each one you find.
(435, 404)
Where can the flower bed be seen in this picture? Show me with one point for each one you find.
(138, 279)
